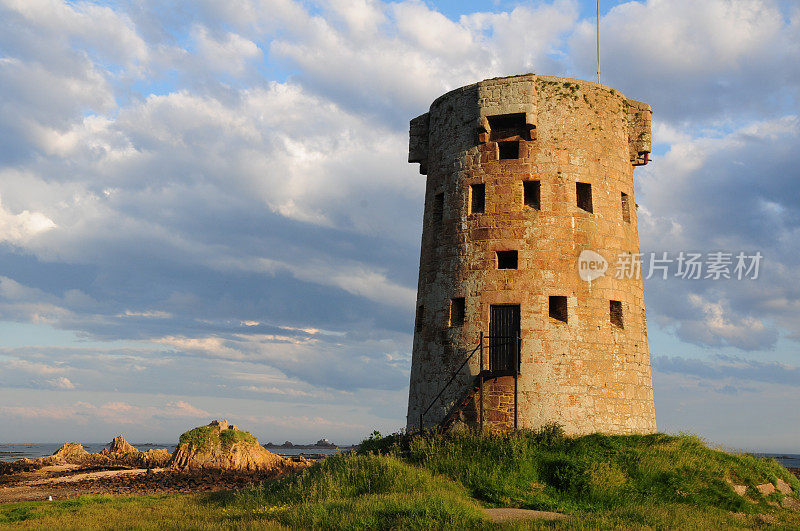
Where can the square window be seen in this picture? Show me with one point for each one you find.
(615, 313)
(420, 317)
(477, 201)
(558, 307)
(626, 208)
(508, 150)
(457, 308)
(508, 126)
(506, 259)
(532, 192)
(584, 193)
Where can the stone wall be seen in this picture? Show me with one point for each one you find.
(587, 373)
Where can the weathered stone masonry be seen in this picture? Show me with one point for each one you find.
(483, 148)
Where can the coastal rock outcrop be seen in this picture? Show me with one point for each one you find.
(120, 446)
(121, 451)
(72, 453)
(222, 446)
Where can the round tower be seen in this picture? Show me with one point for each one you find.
(530, 308)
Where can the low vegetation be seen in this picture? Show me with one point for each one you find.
(228, 438)
(207, 437)
(201, 437)
(363, 492)
(593, 474)
(433, 481)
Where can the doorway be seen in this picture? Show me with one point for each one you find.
(504, 333)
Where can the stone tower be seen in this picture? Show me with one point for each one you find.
(524, 174)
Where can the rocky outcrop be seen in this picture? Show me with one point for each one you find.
(155, 458)
(122, 452)
(119, 453)
(71, 453)
(222, 446)
(120, 446)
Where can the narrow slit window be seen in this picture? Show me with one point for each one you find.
(626, 208)
(532, 192)
(558, 307)
(615, 313)
(420, 317)
(584, 194)
(506, 259)
(508, 150)
(438, 208)
(477, 194)
(457, 307)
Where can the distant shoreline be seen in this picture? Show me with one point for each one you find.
(10, 452)
(308, 447)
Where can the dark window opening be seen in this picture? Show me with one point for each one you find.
(477, 198)
(615, 312)
(457, 308)
(558, 307)
(584, 193)
(506, 259)
(532, 192)
(626, 208)
(438, 208)
(508, 150)
(508, 127)
(420, 317)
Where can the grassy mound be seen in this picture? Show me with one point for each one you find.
(204, 438)
(350, 491)
(546, 470)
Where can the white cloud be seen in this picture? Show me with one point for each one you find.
(228, 53)
(150, 314)
(61, 382)
(727, 192)
(113, 412)
(696, 60)
(719, 326)
(362, 17)
(99, 28)
(19, 228)
(424, 54)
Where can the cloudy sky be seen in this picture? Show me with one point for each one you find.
(206, 209)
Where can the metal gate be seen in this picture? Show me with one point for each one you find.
(504, 323)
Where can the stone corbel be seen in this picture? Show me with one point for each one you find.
(639, 132)
(419, 129)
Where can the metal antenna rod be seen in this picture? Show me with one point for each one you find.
(598, 41)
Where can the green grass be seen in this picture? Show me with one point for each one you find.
(208, 437)
(139, 512)
(433, 481)
(548, 471)
(201, 438)
(350, 491)
(230, 437)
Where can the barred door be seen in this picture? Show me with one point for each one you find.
(504, 326)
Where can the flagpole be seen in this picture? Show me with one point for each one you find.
(598, 41)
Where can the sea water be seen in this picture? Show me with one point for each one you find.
(14, 451)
